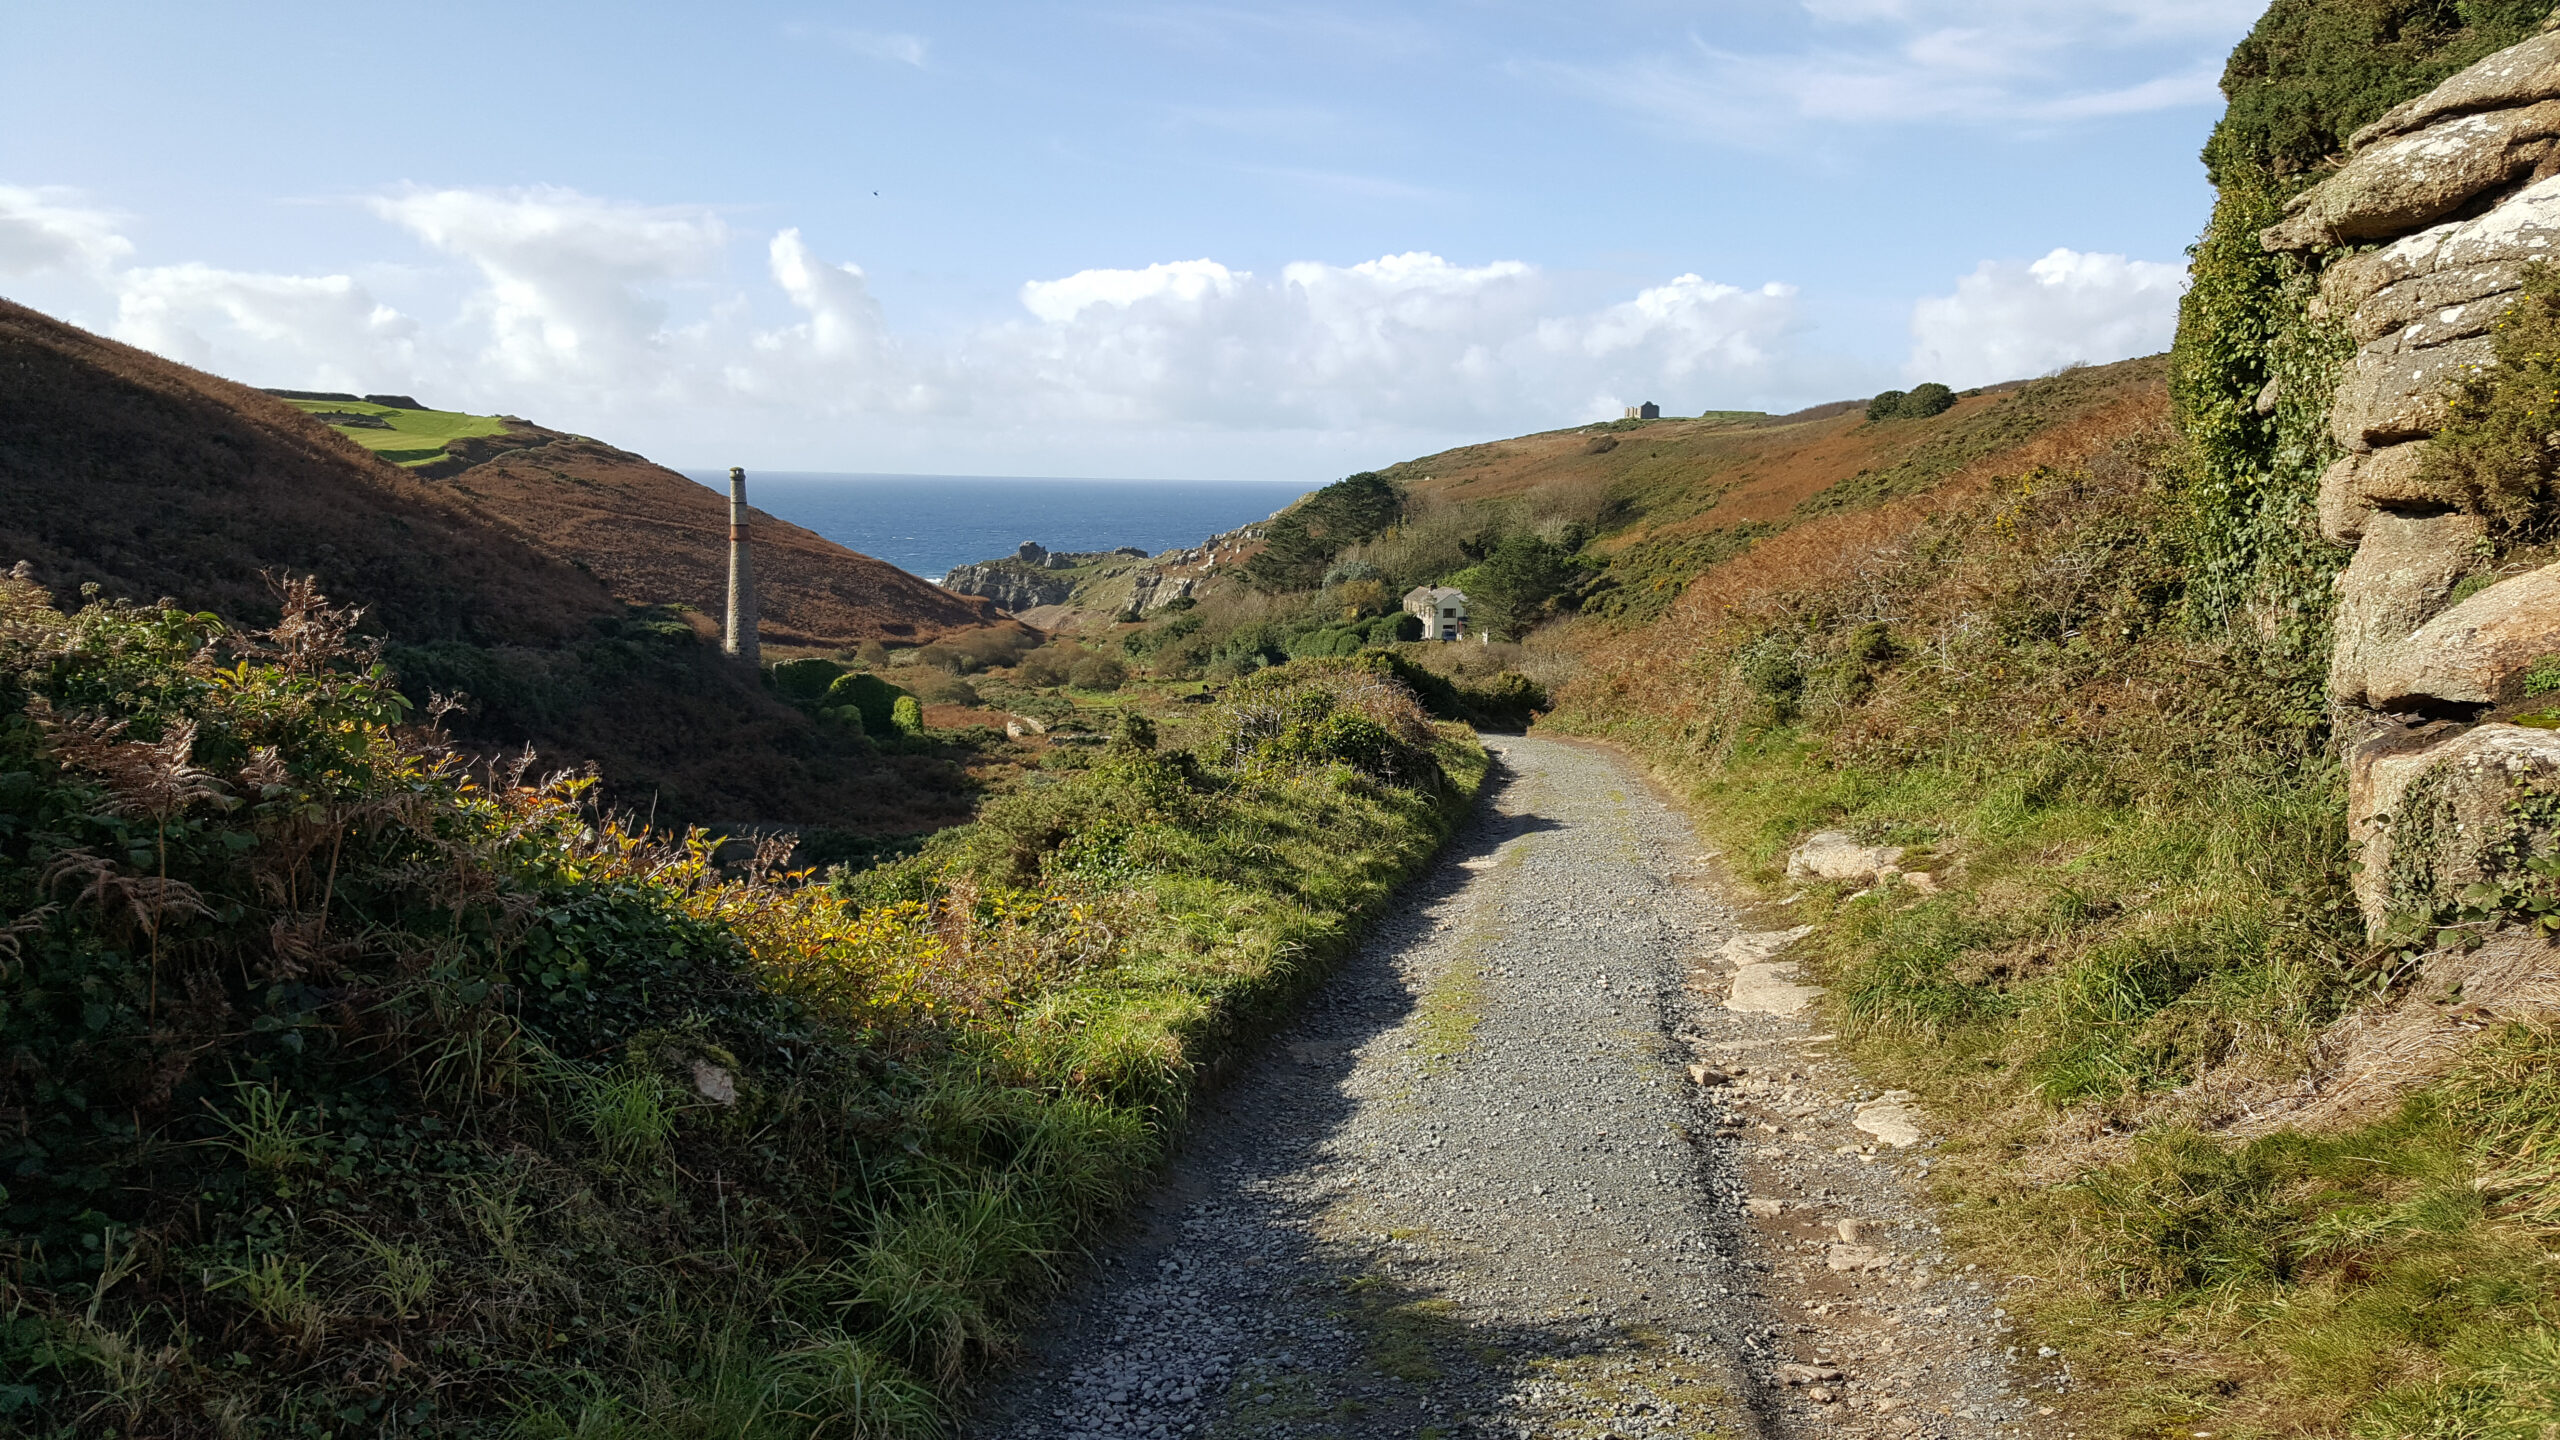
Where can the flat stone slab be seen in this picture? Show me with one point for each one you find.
(1891, 1118)
(1770, 989)
(1756, 948)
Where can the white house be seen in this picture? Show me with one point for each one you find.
(1443, 611)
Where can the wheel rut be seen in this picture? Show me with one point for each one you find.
(1477, 1190)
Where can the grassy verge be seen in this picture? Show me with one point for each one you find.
(347, 1095)
(2140, 928)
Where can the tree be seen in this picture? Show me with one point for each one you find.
(1302, 541)
(1516, 584)
(1885, 406)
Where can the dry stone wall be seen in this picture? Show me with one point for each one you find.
(2459, 191)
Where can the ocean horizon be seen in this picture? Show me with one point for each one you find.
(927, 524)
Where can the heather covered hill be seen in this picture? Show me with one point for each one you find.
(149, 479)
(654, 536)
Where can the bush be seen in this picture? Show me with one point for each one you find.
(907, 716)
(870, 696)
(1098, 673)
(805, 680)
(1047, 665)
(936, 687)
(1917, 404)
(1925, 401)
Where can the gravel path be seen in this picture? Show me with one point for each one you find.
(1479, 1189)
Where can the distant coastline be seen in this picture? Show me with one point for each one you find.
(927, 524)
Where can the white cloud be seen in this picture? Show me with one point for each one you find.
(624, 319)
(45, 228)
(1975, 62)
(1186, 282)
(2008, 320)
(1403, 341)
(572, 295)
(324, 331)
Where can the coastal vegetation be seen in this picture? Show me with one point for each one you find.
(356, 1088)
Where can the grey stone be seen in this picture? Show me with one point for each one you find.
(2440, 305)
(2477, 652)
(2525, 227)
(1770, 990)
(2389, 478)
(2518, 75)
(2397, 185)
(2401, 576)
(2391, 395)
(1836, 855)
(1892, 1118)
(2441, 817)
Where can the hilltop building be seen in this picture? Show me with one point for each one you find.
(1646, 411)
(1443, 611)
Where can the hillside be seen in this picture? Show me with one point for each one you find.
(651, 535)
(566, 595)
(150, 479)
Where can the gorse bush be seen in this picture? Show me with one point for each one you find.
(2500, 448)
(327, 1047)
(1918, 404)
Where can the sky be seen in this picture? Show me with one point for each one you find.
(1202, 241)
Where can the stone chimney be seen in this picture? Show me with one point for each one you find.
(741, 637)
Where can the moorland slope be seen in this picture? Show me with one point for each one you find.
(550, 597)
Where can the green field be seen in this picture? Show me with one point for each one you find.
(416, 437)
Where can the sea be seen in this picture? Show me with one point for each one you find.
(927, 524)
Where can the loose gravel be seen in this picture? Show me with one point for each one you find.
(1480, 1189)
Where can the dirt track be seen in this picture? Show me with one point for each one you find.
(1476, 1191)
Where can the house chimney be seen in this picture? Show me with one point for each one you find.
(741, 638)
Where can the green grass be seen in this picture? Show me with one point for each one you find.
(416, 437)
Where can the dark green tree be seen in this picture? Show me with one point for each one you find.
(1519, 585)
(1301, 543)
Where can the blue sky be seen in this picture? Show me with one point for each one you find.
(1213, 241)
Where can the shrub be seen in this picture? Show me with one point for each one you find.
(2501, 447)
(870, 696)
(1925, 401)
(1099, 673)
(1047, 665)
(907, 716)
(807, 679)
(1917, 404)
(938, 687)
(311, 1040)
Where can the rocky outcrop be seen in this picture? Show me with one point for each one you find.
(1012, 584)
(2464, 185)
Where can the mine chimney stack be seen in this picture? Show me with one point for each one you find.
(741, 636)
